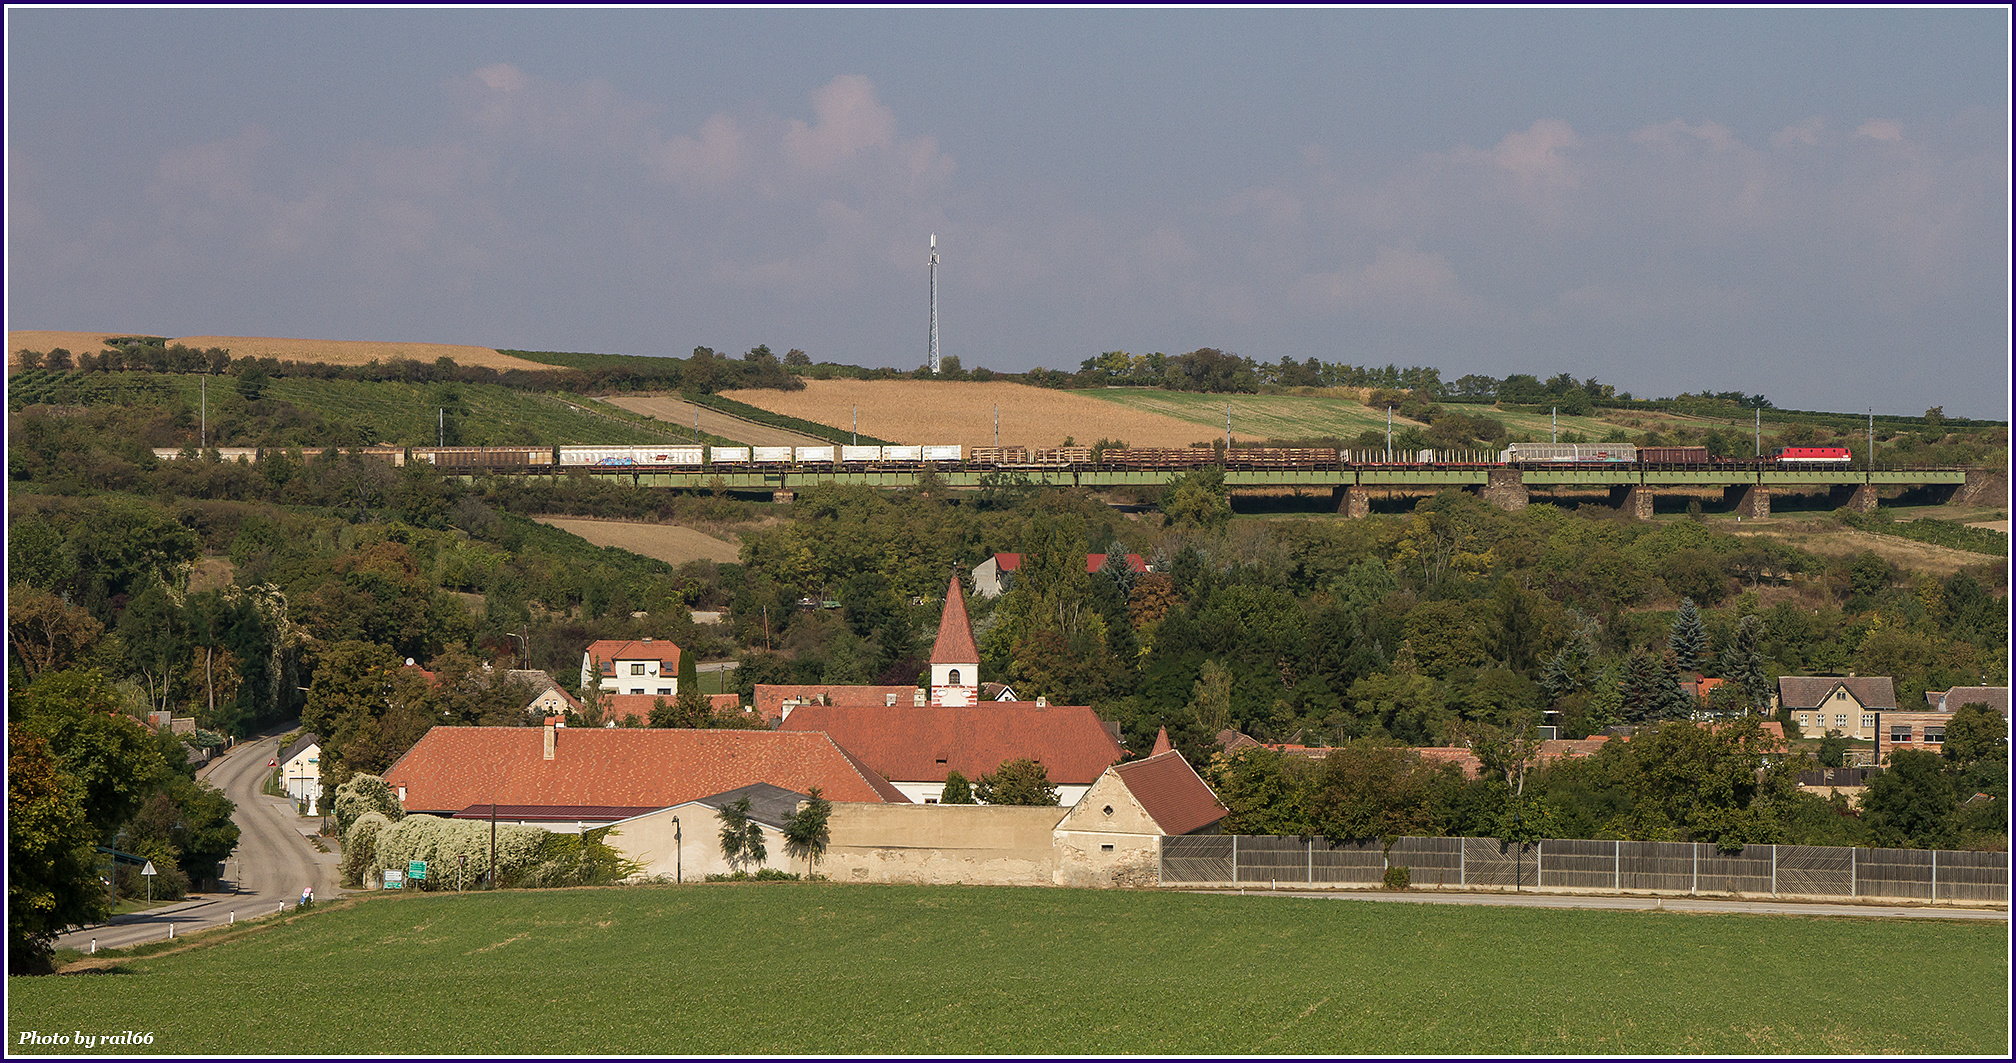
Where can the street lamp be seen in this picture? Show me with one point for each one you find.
(678, 854)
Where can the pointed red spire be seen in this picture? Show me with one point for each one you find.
(1162, 743)
(955, 632)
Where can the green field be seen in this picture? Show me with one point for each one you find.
(1310, 416)
(830, 969)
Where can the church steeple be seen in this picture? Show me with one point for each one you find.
(955, 659)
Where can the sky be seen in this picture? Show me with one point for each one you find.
(1812, 205)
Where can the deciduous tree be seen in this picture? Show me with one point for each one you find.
(1017, 782)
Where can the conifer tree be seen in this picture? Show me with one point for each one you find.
(1688, 637)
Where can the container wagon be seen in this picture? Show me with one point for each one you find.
(1813, 455)
(1568, 452)
(859, 455)
(771, 455)
(951, 452)
(895, 452)
(484, 457)
(731, 455)
(815, 454)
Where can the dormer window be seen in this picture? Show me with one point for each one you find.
(952, 678)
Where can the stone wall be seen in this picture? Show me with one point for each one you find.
(986, 845)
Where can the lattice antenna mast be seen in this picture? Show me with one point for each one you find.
(932, 351)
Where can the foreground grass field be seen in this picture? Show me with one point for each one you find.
(828, 969)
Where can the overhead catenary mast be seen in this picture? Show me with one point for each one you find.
(932, 351)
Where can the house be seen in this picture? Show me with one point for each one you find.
(916, 746)
(683, 842)
(775, 701)
(301, 772)
(996, 575)
(550, 699)
(1950, 701)
(631, 666)
(634, 710)
(1847, 704)
(452, 769)
(1114, 834)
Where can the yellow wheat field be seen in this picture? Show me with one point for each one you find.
(954, 411)
(331, 352)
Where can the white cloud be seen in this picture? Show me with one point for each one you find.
(1880, 129)
(1677, 135)
(849, 120)
(1807, 133)
(1397, 278)
(718, 155)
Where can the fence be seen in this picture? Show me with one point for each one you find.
(1572, 865)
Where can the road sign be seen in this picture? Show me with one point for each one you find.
(395, 879)
(149, 869)
(417, 870)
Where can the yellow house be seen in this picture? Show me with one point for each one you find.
(1847, 704)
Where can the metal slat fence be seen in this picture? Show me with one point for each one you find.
(1591, 866)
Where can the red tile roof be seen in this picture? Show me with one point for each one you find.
(1465, 761)
(770, 697)
(1008, 562)
(955, 632)
(609, 651)
(1162, 743)
(452, 768)
(639, 706)
(921, 743)
(1171, 793)
(1093, 562)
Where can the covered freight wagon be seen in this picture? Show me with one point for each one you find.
(1673, 455)
(1552, 452)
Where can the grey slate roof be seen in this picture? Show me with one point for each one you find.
(768, 804)
(308, 738)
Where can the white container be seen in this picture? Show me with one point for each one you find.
(731, 454)
(895, 453)
(819, 454)
(772, 455)
(943, 453)
(860, 454)
(669, 456)
(578, 456)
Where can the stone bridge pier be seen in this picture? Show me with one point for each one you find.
(1748, 500)
(1858, 497)
(1352, 500)
(1634, 499)
(1985, 488)
(1506, 489)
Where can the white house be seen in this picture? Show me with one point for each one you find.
(301, 773)
(632, 666)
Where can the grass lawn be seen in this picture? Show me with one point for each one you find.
(833, 969)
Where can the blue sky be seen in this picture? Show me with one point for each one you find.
(1813, 205)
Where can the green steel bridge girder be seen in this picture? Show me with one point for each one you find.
(972, 478)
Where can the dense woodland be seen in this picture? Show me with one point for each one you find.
(318, 575)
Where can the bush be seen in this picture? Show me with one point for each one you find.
(360, 848)
(360, 794)
(1397, 877)
(767, 874)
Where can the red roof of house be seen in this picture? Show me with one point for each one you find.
(1008, 562)
(1162, 743)
(452, 768)
(1093, 562)
(955, 632)
(921, 743)
(1462, 757)
(1171, 793)
(609, 651)
(770, 697)
(639, 706)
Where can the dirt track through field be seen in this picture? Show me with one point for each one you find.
(677, 414)
(1848, 542)
(669, 543)
(962, 412)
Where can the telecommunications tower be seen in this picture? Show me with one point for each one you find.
(932, 351)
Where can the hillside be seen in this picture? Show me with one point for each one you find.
(328, 352)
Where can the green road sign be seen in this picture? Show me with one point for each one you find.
(395, 879)
(417, 870)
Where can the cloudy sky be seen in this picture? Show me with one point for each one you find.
(1813, 205)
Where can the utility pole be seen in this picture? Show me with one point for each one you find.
(1389, 435)
(1872, 439)
(1228, 428)
(1758, 428)
(1556, 415)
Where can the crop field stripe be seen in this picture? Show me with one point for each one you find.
(834, 969)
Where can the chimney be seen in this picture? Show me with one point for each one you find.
(888, 699)
(550, 729)
(917, 698)
(647, 638)
(1042, 702)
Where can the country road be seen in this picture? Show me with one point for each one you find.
(273, 861)
(676, 414)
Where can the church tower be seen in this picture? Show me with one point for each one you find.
(955, 659)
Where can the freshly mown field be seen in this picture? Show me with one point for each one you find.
(830, 969)
(669, 543)
(962, 412)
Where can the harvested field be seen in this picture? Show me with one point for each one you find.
(677, 414)
(330, 352)
(669, 543)
(956, 411)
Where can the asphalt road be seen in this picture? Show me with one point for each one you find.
(1700, 905)
(273, 861)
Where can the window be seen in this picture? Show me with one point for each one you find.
(1105, 848)
(952, 678)
(636, 690)
(1900, 733)
(1840, 719)
(636, 669)
(930, 800)
(1934, 735)
(664, 690)
(1803, 719)
(1868, 719)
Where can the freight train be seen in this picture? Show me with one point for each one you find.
(950, 456)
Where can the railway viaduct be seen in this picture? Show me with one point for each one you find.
(1747, 490)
